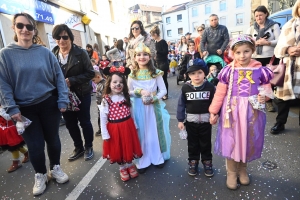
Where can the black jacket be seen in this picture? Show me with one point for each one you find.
(185, 61)
(79, 70)
(214, 38)
(194, 100)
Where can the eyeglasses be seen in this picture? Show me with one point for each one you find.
(136, 28)
(29, 27)
(64, 37)
(200, 30)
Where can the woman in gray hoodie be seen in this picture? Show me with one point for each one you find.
(39, 96)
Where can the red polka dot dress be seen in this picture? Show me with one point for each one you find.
(123, 145)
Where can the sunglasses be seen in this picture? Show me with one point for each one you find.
(200, 30)
(29, 27)
(64, 37)
(136, 28)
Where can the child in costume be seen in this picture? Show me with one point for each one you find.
(190, 55)
(240, 134)
(96, 67)
(104, 62)
(193, 103)
(121, 143)
(12, 141)
(151, 117)
(100, 83)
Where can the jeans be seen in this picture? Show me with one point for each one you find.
(45, 117)
(199, 141)
(164, 66)
(84, 117)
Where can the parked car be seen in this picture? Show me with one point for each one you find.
(282, 16)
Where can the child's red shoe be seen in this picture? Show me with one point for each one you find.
(124, 175)
(132, 171)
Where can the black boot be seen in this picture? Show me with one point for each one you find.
(277, 128)
(78, 152)
(89, 153)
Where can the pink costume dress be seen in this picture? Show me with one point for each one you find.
(244, 140)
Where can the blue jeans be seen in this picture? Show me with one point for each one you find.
(84, 117)
(45, 118)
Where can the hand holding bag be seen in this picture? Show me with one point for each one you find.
(279, 72)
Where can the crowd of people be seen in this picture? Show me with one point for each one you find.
(223, 79)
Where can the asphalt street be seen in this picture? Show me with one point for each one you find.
(97, 179)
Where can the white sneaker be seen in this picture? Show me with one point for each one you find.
(40, 183)
(58, 174)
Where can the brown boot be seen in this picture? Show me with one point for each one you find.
(26, 157)
(243, 175)
(16, 165)
(231, 167)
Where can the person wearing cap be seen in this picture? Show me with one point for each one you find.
(188, 36)
(193, 103)
(215, 38)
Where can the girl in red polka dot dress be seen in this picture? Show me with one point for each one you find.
(121, 143)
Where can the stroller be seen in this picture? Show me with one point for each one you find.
(215, 60)
(219, 63)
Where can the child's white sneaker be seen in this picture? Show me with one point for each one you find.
(40, 183)
(58, 174)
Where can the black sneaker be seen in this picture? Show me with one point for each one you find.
(88, 153)
(98, 133)
(78, 152)
(193, 167)
(208, 170)
(142, 170)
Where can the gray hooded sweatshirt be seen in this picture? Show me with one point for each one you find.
(29, 76)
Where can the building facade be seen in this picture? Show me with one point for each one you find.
(108, 20)
(175, 22)
(234, 14)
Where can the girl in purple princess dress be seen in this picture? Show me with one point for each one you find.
(240, 135)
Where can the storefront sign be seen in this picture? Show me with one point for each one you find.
(41, 11)
(52, 42)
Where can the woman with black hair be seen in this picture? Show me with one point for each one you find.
(266, 33)
(78, 71)
(138, 35)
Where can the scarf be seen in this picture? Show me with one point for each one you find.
(261, 32)
(133, 42)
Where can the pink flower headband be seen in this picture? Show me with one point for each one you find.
(239, 39)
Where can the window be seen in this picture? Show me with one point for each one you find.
(222, 5)
(239, 3)
(207, 22)
(207, 9)
(169, 33)
(168, 20)
(94, 6)
(195, 26)
(179, 18)
(223, 21)
(239, 19)
(194, 12)
(180, 31)
(112, 15)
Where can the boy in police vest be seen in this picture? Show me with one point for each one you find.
(193, 103)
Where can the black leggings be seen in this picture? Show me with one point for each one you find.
(164, 66)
